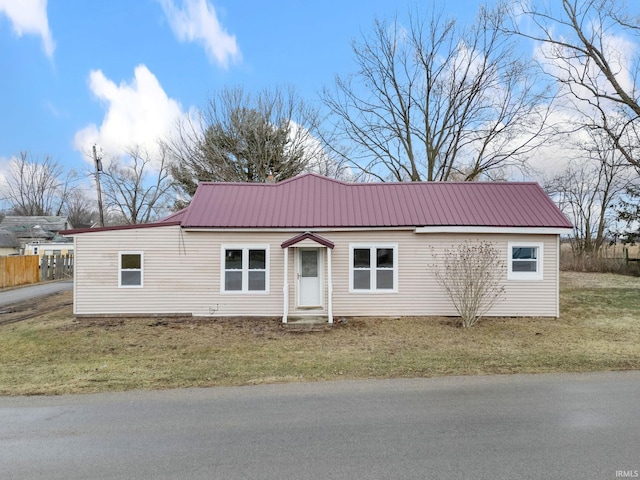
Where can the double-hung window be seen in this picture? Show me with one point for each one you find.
(245, 269)
(525, 261)
(130, 269)
(373, 268)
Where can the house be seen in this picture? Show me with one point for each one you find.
(34, 230)
(8, 243)
(56, 246)
(315, 246)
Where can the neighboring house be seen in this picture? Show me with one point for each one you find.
(49, 248)
(8, 243)
(312, 246)
(35, 229)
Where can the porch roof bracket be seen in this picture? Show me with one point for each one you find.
(308, 236)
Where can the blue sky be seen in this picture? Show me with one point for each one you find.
(118, 72)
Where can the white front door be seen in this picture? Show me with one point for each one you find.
(309, 277)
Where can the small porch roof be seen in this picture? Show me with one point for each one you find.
(308, 236)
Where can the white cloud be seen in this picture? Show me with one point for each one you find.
(30, 17)
(562, 63)
(197, 22)
(5, 165)
(137, 114)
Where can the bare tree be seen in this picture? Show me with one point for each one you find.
(587, 48)
(241, 137)
(137, 189)
(587, 190)
(471, 275)
(80, 209)
(37, 186)
(432, 100)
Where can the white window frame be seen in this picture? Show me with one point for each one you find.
(245, 268)
(538, 274)
(372, 257)
(141, 269)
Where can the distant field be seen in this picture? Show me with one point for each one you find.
(609, 251)
(611, 258)
(599, 329)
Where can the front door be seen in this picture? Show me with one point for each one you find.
(309, 277)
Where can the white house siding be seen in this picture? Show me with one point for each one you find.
(418, 291)
(182, 274)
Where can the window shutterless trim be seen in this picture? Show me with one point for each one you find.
(538, 274)
(245, 248)
(121, 270)
(373, 268)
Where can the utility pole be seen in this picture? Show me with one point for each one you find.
(98, 163)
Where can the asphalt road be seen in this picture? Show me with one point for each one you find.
(28, 292)
(498, 427)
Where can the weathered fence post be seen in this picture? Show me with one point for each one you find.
(56, 267)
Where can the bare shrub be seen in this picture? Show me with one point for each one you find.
(471, 275)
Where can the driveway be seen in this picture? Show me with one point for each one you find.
(496, 428)
(28, 292)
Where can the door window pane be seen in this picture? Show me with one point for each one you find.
(309, 262)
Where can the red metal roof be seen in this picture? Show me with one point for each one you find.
(163, 223)
(313, 201)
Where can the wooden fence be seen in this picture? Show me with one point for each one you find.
(26, 269)
(56, 267)
(19, 270)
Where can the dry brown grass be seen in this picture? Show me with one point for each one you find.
(599, 330)
(610, 259)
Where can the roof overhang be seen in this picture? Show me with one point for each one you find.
(502, 230)
(307, 236)
(78, 231)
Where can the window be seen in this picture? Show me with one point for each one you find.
(525, 261)
(373, 268)
(130, 266)
(245, 269)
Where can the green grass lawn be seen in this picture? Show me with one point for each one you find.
(599, 329)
